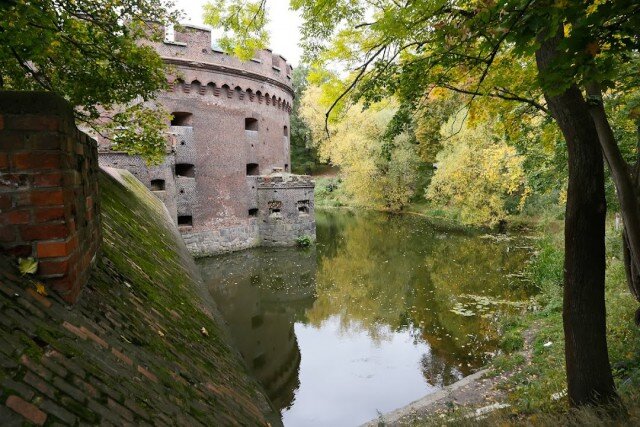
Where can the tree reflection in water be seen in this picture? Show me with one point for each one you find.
(375, 274)
(401, 272)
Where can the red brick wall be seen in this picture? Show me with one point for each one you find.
(48, 189)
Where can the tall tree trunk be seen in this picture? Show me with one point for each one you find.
(625, 182)
(632, 269)
(589, 377)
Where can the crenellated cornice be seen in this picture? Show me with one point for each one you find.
(208, 66)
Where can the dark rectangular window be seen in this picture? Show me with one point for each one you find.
(185, 221)
(286, 131)
(253, 212)
(251, 124)
(274, 207)
(253, 169)
(303, 206)
(181, 118)
(257, 320)
(157, 185)
(186, 169)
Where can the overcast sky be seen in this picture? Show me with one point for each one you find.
(284, 25)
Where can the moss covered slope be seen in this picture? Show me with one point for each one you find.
(142, 345)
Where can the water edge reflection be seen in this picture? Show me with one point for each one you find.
(385, 309)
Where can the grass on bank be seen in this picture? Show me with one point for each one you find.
(329, 192)
(537, 389)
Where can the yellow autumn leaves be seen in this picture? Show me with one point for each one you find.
(376, 172)
(478, 174)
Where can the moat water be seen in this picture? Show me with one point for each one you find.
(383, 310)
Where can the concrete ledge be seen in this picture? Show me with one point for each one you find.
(394, 417)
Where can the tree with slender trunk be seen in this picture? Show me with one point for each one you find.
(589, 378)
(625, 178)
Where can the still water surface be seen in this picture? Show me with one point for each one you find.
(383, 310)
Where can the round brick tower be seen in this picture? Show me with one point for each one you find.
(225, 179)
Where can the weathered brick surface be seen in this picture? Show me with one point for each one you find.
(295, 216)
(217, 94)
(43, 214)
(30, 412)
(104, 361)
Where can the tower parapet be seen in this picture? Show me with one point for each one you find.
(192, 45)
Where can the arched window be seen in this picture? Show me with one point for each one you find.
(227, 90)
(197, 86)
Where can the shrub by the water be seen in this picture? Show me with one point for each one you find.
(304, 241)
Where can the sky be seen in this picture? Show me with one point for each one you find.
(284, 26)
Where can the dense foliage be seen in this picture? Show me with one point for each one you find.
(377, 170)
(240, 19)
(91, 53)
(479, 174)
(304, 156)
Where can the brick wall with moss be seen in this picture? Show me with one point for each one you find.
(143, 345)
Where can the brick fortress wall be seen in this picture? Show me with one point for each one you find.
(48, 189)
(231, 124)
(286, 208)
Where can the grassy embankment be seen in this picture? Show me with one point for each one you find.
(535, 381)
(537, 389)
(536, 386)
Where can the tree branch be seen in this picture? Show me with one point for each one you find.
(363, 69)
(41, 79)
(506, 96)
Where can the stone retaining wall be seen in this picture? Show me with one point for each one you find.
(222, 239)
(143, 346)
